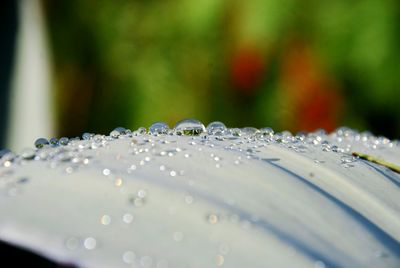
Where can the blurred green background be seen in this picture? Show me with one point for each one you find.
(291, 65)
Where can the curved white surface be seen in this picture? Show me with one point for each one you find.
(178, 201)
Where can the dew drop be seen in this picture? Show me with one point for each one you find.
(41, 142)
(159, 128)
(189, 127)
(105, 220)
(28, 154)
(220, 260)
(106, 172)
(63, 141)
(128, 257)
(127, 218)
(216, 128)
(53, 141)
(212, 218)
(90, 243)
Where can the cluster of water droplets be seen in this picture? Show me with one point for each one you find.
(71, 154)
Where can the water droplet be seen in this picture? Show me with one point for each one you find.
(212, 218)
(159, 128)
(220, 260)
(189, 127)
(117, 132)
(146, 261)
(90, 243)
(41, 142)
(106, 172)
(105, 220)
(172, 173)
(53, 141)
(127, 218)
(319, 264)
(216, 128)
(28, 154)
(128, 257)
(87, 136)
(63, 141)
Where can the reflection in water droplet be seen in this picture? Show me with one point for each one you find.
(41, 142)
(216, 128)
(90, 243)
(189, 127)
(63, 141)
(159, 128)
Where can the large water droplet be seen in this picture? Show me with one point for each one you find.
(159, 128)
(216, 128)
(41, 142)
(189, 127)
(53, 141)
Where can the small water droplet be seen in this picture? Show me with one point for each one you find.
(41, 142)
(216, 128)
(319, 264)
(159, 128)
(53, 141)
(28, 154)
(90, 243)
(220, 260)
(189, 127)
(128, 257)
(212, 218)
(63, 141)
(127, 218)
(105, 220)
(106, 172)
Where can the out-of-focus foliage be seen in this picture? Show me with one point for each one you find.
(297, 65)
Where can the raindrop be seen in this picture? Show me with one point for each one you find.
(63, 141)
(41, 142)
(90, 243)
(53, 141)
(159, 128)
(128, 257)
(127, 218)
(105, 220)
(106, 172)
(212, 218)
(220, 260)
(117, 132)
(189, 127)
(28, 154)
(87, 136)
(216, 128)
